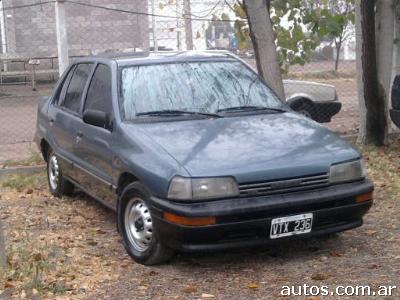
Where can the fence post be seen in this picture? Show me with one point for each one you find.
(3, 33)
(154, 25)
(62, 40)
(188, 24)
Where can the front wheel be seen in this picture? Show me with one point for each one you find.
(137, 229)
(58, 185)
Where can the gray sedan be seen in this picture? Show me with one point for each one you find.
(194, 152)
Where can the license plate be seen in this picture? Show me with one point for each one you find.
(289, 226)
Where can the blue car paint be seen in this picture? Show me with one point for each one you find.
(251, 148)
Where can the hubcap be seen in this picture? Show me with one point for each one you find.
(138, 224)
(54, 172)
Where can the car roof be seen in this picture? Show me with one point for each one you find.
(146, 57)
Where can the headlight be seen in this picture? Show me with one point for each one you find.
(202, 188)
(346, 172)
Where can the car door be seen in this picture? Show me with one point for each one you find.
(94, 150)
(65, 117)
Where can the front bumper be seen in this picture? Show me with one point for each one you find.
(246, 221)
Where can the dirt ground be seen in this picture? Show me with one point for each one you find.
(69, 249)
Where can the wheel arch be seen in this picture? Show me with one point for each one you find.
(297, 101)
(44, 148)
(124, 180)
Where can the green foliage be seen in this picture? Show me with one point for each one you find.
(308, 22)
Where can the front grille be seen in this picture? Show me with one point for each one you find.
(284, 186)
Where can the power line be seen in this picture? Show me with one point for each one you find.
(116, 10)
(26, 5)
(141, 13)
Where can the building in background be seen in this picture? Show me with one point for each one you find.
(31, 31)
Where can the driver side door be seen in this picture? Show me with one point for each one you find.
(94, 149)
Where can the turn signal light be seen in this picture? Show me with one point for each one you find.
(365, 197)
(199, 221)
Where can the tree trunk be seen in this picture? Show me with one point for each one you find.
(338, 48)
(3, 259)
(376, 121)
(385, 19)
(263, 39)
(360, 82)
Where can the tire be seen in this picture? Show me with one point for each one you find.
(139, 236)
(58, 185)
(305, 108)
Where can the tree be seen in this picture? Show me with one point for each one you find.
(334, 19)
(263, 37)
(295, 42)
(375, 118)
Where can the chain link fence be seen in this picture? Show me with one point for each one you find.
(29, 46)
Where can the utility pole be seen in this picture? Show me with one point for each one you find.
(62, 40)
(154, 25)
(188, 24)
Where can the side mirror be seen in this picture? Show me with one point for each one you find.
(97, 118)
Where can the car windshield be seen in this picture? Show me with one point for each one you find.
(201, 87)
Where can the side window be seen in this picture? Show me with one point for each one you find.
(73, 95)
(99, 96)
(63, 87)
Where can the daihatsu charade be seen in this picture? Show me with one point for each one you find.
(195, 152)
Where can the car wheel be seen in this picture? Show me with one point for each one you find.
(137, 229)
(58, 185)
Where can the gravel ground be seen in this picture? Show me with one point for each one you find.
(69, 249)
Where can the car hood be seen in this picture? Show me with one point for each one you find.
(251, 148)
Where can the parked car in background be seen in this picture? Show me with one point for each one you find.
(316, 101)
(194, 152)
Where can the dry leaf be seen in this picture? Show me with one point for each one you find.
(253, 286)
(207, 296)
(190, 289)
(320, 276)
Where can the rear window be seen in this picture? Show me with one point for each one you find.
(73, 95)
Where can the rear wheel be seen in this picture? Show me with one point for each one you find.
(58, 185)
(138, 232)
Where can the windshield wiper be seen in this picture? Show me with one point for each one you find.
(251, 108)
(173, 113)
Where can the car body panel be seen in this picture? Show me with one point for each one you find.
(281, 146)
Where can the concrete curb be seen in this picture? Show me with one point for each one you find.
(22, 170)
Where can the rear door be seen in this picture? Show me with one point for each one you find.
(65, 115)
(94, 151)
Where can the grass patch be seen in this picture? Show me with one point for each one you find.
(23, 182)
(34, 159)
